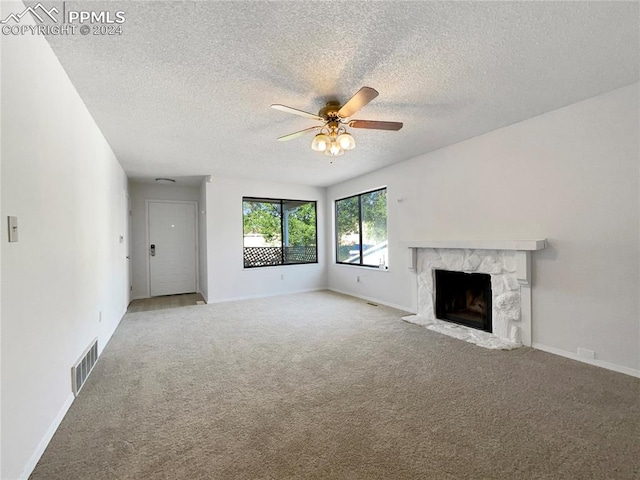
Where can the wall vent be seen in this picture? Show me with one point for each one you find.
(82, 368)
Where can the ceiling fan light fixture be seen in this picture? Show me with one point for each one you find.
(320, 142)
(333, 138)
(346, 141)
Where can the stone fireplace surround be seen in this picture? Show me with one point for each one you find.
(508, 263)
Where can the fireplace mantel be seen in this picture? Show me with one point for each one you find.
(524, 246)
(529, 245)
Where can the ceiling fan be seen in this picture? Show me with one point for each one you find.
(333, 138)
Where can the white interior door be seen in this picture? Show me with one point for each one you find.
(172, 247)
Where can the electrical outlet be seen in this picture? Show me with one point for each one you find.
(583, 352)
(282, 276)
(358, 278)
(100, 317)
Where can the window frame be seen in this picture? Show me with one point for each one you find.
(281, 201)
(335, 226)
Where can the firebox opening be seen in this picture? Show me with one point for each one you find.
(464, 298)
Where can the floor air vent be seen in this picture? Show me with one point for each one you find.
(81, 370)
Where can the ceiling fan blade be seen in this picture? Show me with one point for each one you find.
(373, 124)
(291, 136)
(359, 100)
(295, 111)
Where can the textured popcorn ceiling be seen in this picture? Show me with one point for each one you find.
(186, 89)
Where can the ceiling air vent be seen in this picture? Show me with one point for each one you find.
(82, 368)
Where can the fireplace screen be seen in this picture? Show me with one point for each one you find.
(464, 298)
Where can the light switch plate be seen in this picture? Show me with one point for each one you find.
(13, 229)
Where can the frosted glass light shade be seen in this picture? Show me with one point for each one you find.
(320, 142)
(334, 150)
(346, 141)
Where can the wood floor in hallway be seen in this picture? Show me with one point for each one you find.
(165, 301)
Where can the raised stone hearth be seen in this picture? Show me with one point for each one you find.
(509, 268)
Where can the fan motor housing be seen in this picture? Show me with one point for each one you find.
(330, 110)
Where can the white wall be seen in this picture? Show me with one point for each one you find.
(228, 279)
(1, 243)
(139, 250)
(202, 240)
(63, 182)
(571, 176)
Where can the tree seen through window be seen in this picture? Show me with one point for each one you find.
(361, 229)
(279, 232)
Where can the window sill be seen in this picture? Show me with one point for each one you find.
(362, 267)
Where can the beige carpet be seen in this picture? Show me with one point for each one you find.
(321, 385)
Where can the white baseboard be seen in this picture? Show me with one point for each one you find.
(113, 331)
(375, 300)
(598, 363)
(42, 446)
(249, 297)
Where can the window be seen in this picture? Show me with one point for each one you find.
(361, 229)
(279, 232)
